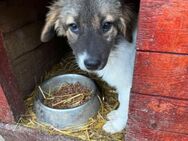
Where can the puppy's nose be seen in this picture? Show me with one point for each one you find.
(92, 64)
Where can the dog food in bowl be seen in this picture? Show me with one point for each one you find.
(62, 114)
(68, 96)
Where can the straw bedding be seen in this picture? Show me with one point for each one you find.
(92, 131)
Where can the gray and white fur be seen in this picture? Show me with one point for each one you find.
(102, 35)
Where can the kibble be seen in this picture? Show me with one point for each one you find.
(68, 96)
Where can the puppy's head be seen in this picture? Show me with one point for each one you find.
(91, 26)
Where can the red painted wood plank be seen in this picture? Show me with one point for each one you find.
(8, 83)
(144, 134)
(5, 112)
(161, 74)
(163, 26)
(158, 114)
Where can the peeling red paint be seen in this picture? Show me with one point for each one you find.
(5, 112)
(163, 26)
(157, 106)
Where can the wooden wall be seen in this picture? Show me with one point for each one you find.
(159, 102)
(23, 58)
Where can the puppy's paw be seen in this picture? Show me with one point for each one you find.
(114, 126)
(113, 115)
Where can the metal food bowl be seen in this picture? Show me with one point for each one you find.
(66, 118)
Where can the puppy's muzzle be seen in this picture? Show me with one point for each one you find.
(92, 64)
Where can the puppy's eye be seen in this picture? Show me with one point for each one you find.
(106, 26)
(74, 27)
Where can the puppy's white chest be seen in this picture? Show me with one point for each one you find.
(119, 68)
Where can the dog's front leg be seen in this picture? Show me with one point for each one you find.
(118, 118)
(121, 79)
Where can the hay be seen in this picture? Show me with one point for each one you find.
(92, 131)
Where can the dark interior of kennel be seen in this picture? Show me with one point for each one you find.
(159, 101)
(24, 59)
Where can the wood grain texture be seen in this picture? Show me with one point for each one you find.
(8, 83)
(163, 26)
(12, 132)
(161, 74)
(31, 66)
(159, 105)
(145, 134)
(22, 40)
(156, 118)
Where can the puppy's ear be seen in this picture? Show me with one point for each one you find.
(127, 23)
(123, 26)
(129, 19)
(48, 31)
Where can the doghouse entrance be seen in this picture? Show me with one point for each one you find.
(28, 62)
(158, 106)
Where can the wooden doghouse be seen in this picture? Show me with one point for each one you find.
(159, 101)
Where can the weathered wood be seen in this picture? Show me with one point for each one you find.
(10, 88)
(159, 107)
(159, 113)
(6, 114)
(144, 134)
(15, 17)
(23, 40)
(161, 74)
(163, 26)
(30, 68)
(156, 118)
(18, 133)
(22, 60)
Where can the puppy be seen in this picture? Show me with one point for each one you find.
(102, 35)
